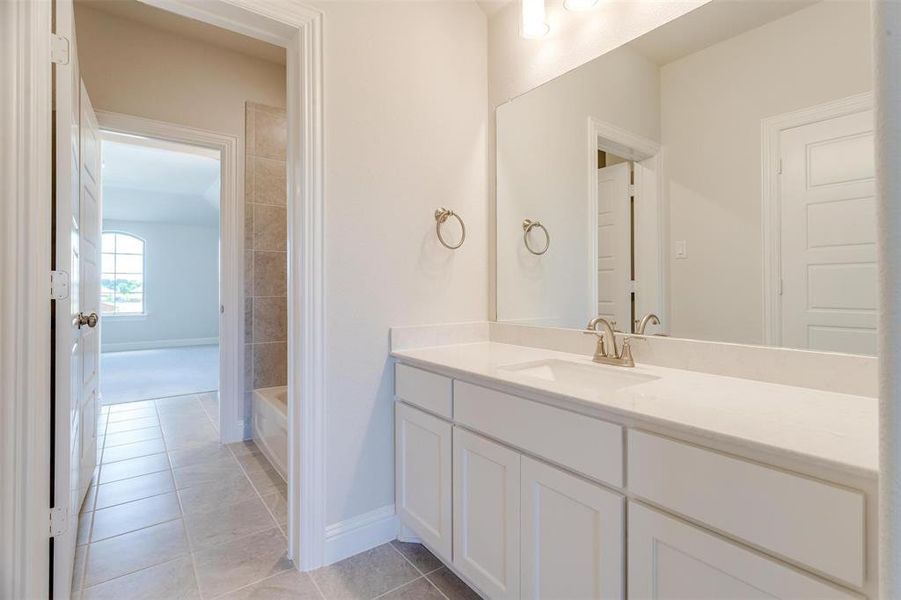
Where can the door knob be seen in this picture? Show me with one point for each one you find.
(89, 320)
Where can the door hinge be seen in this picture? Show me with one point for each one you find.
(59, 285)
(633, 286)
(59, 49)
(59, 521)
(632, 189)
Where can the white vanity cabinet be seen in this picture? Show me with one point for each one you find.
(529, 500)
(671, 559)
(487, 514)
(423, 476)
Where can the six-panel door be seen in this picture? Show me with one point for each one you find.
(486, 514)
(572, 536)
(423, 476)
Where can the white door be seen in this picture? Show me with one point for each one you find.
(671, 559)
(614, 252)
(828, 237)
(486, 514)
(423, 476)
(76, 258)
(572, 536)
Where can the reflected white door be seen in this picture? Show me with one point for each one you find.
(76, 258)
(614, 245)
(828, 236)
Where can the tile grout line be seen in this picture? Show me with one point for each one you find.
(418, 570)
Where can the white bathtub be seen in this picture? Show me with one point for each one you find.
(270, 425)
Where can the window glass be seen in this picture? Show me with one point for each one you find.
(122, 282)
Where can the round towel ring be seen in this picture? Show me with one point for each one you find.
(442, 215)
(527, 226)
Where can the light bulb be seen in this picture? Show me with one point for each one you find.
(533, 23)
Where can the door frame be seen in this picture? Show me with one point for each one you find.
(25, 259)
(650, 215)
(771, 129)
(231, 252)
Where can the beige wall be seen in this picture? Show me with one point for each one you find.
(712, 103)
(131, 68)
(405, 117)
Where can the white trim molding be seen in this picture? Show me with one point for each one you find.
(157, 344)
(231, 253)
(298, 28)
(771, 129)
(360, 533)
(25, 259)
(650, 215)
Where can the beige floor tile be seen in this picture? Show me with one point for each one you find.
(132, 424)
(419, 555)
(173, 580)
(213, 495)
(210, 472)
(239, 448)
(128, 406)
(130, 516)
(211, 452)
(130, 437)
(419, 589)
(136, 450)
(228, 522)
(192, 439)
(134, 488)
(278, 506)
(267, 481)
(231, 566)
(452, 586)
(254, 461)
(365, 575)
(131, 552)
(133, 467)
(132, 414)
(84, 528)
(290, 585)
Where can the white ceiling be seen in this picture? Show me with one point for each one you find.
(152, 180)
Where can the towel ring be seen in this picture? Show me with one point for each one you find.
(527, 226)
(442, 215)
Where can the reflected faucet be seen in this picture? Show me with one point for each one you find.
(648, 318)
(605, 352)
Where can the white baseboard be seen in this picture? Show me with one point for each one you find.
(352, 536)
(154, 344)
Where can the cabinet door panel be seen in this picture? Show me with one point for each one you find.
(671, 559)
(486, 514)
(423, 480)
(572, 536)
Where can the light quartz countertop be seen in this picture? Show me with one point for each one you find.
(835, 431)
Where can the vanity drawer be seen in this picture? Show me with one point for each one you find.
(583, 444)
(426, 390)
(814, 523)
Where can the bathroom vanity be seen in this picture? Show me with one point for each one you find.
(539, 474)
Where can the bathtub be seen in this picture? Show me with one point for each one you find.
(270, 425)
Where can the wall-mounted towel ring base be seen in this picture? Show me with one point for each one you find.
(442, 215)
(527, 226)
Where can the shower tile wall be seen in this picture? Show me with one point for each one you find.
(265, 245)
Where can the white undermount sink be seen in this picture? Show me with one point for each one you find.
(590, 376)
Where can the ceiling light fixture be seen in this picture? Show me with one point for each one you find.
(533, 19)
(579, 4)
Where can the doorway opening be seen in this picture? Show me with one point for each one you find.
(159, 295)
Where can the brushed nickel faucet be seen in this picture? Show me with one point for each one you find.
(648, 318)
(605, 353)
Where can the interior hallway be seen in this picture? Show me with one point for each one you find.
(177, 515)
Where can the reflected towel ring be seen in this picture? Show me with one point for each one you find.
(442, 215)
(527, 226)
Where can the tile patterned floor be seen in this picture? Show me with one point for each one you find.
(176, 515)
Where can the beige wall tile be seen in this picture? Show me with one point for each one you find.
(270, 130)
(248, 369)
(248, 272)
(270, 319)
(270, 184)
(270, 227)
(270, 362)
(248, 320)
(270, 273)
(248, 226)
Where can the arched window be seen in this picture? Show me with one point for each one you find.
(122, 282)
